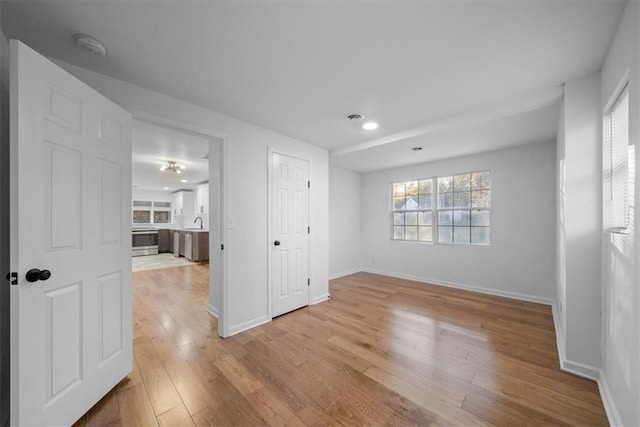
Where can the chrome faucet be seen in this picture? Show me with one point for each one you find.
(196, 220)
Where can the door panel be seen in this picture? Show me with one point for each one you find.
(71, 192)
(289, 226)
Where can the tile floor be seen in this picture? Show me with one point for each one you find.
(156, 262)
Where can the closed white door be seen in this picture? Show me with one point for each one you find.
(70, 216)
(290, 233)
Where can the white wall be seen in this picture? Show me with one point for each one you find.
(620, 254)
(561, 238)
(580, 226)
(246, 245)
(520, 262)
(4, 228)
(345, 234)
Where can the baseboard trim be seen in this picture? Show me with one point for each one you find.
(212, 311)
(494, 292)
(607, 400)
(319, 299)
(245, 326)
(573, 367)
(344, 273)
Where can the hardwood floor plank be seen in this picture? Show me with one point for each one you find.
(382, 351)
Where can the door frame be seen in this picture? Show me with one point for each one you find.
(223, 315)
(270, 151)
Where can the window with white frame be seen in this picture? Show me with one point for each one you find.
(412, 210)
(615, 156)
(461, 213)
(149, 212)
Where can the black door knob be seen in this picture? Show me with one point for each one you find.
(35, 274)
(276, 243)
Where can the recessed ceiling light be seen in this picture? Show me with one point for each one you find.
(370, 126)
(183, 180)
(166, 188)
(417, 148)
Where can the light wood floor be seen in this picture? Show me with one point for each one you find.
(382, 352)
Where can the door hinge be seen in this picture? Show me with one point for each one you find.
(222, 247)
(12, 278)
(308, 230)
(308, 282)
(308, 184)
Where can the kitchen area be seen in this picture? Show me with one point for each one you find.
(170, 198)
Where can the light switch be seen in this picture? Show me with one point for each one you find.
(231, 222)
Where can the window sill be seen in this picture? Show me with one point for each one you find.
(618, 230)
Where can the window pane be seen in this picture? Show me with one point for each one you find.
(445, 217)
(425, 234)
(161, 217)
(412, 203)
(165, 205)
(445, 200)
(461, 182)
(411, 233)
(398, 232)
(461, 200)
(141, 204)
(480, 199)
(411, 188)
(398, 218)
(411, 218)
(426, 186)
(461, 218)
(480, 235)
(462, 235)
(398, 189)
(445, 184)
(141, 217)
(398, 202)
(480, 218)
(425, 218)
(481, 180)
(426, 201)
(445, 234)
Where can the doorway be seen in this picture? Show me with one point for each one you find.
(190, 203)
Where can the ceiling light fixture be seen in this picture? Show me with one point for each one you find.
(172, 166)
(183, 180)
(417, 148)
(370, 126)
(90, 44)
(166, 188)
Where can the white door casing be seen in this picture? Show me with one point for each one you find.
(290, 229)
(71, 335)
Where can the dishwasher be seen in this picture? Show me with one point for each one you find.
(176, 244)
(188, 246)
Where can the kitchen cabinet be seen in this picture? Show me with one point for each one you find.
(183, 203)
(165, 238)
(202, 199)
(199, 246)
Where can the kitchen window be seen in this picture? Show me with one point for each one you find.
(461, 214)
(151, 212)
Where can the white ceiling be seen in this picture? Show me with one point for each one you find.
(154, 145)
(299, 67)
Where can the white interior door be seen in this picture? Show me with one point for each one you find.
(290, 233)
(70, 215)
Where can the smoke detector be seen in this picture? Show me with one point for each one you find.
(90, 44)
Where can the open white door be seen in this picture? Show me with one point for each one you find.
(290, 233)
(70, 215)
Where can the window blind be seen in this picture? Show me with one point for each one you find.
(616, 164)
